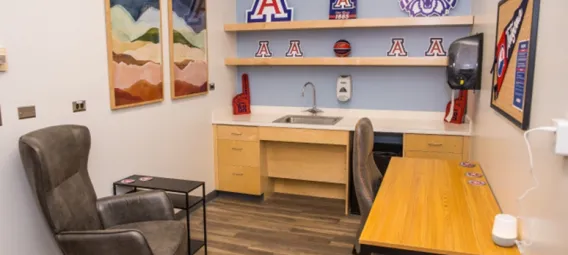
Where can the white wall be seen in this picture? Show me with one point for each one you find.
(57, 54)
(499, 145)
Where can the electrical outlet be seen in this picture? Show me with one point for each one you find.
(79, 106)
(26, 112)
(211, 86)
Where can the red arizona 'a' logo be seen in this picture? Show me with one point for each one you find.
(343, 4)
(269, 10)
(294, 51)
(397, 49)
(263, 50)
(436, 48)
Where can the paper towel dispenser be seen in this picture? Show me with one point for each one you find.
(465, 58)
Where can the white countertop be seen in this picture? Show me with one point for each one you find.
(410, 122)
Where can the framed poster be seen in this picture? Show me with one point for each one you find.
(134, 52)
(188, 48)
(515, 54)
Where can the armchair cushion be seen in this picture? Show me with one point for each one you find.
(164, 237)
(108, 242)
(135, 207)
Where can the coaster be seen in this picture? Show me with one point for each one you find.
(467, 164)
(127, 181)
(145, 179)
(473, 175)
(476, 183)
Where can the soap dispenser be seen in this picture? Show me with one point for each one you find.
(344, 88)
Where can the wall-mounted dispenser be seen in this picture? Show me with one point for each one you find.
(464, 63)
(344, 88)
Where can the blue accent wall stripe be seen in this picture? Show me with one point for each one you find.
(385, 88)
(364, 42)
(319, 9)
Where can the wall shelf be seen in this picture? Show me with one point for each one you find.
(362, 61)
(353, 23)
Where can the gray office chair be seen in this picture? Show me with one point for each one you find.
(366, 176)
(55, 162)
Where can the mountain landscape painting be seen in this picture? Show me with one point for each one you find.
(188, 48)
(135, 52)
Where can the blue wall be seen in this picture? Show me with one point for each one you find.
(386, 88)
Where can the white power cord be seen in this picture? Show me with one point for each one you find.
(526, 243)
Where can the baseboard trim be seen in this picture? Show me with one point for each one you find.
(240, 196)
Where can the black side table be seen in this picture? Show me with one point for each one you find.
(178, 192)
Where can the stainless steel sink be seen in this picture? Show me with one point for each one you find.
(311, 120)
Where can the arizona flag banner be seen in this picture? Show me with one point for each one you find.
(506, 46)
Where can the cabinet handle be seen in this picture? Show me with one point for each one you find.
(238, 174)
(237, 149)
(237, 134)
(435, 144)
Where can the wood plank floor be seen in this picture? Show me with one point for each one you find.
(282, 225)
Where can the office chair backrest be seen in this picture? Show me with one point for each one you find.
(55, 162)
(366, 175)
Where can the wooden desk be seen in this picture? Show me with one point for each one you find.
(426, 206)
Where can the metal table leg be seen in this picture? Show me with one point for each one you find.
(365, 250)
(204, 220)
(187, 221)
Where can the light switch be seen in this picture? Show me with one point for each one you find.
(3, 61)
(26, 112)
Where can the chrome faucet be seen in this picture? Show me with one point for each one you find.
(314, 110)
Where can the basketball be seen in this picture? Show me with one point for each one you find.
(342, 48)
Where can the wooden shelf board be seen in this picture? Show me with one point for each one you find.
(353, 23)
(364, 61)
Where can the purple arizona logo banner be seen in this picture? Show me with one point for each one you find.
(427, 8)
(269, 11)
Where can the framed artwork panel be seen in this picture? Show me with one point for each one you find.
(134, 52)
(188, 48)
(515, 55)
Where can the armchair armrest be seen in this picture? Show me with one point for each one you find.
(135, 207)
(108, 242)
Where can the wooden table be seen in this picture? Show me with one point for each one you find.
(427, 206)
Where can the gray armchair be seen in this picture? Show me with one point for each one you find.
(366, 176)
(142, 223)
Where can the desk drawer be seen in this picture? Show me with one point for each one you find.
(238, 153)
(239, 179)
(433, 155)
(299, 135)
(239, 133)
(433, 143)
